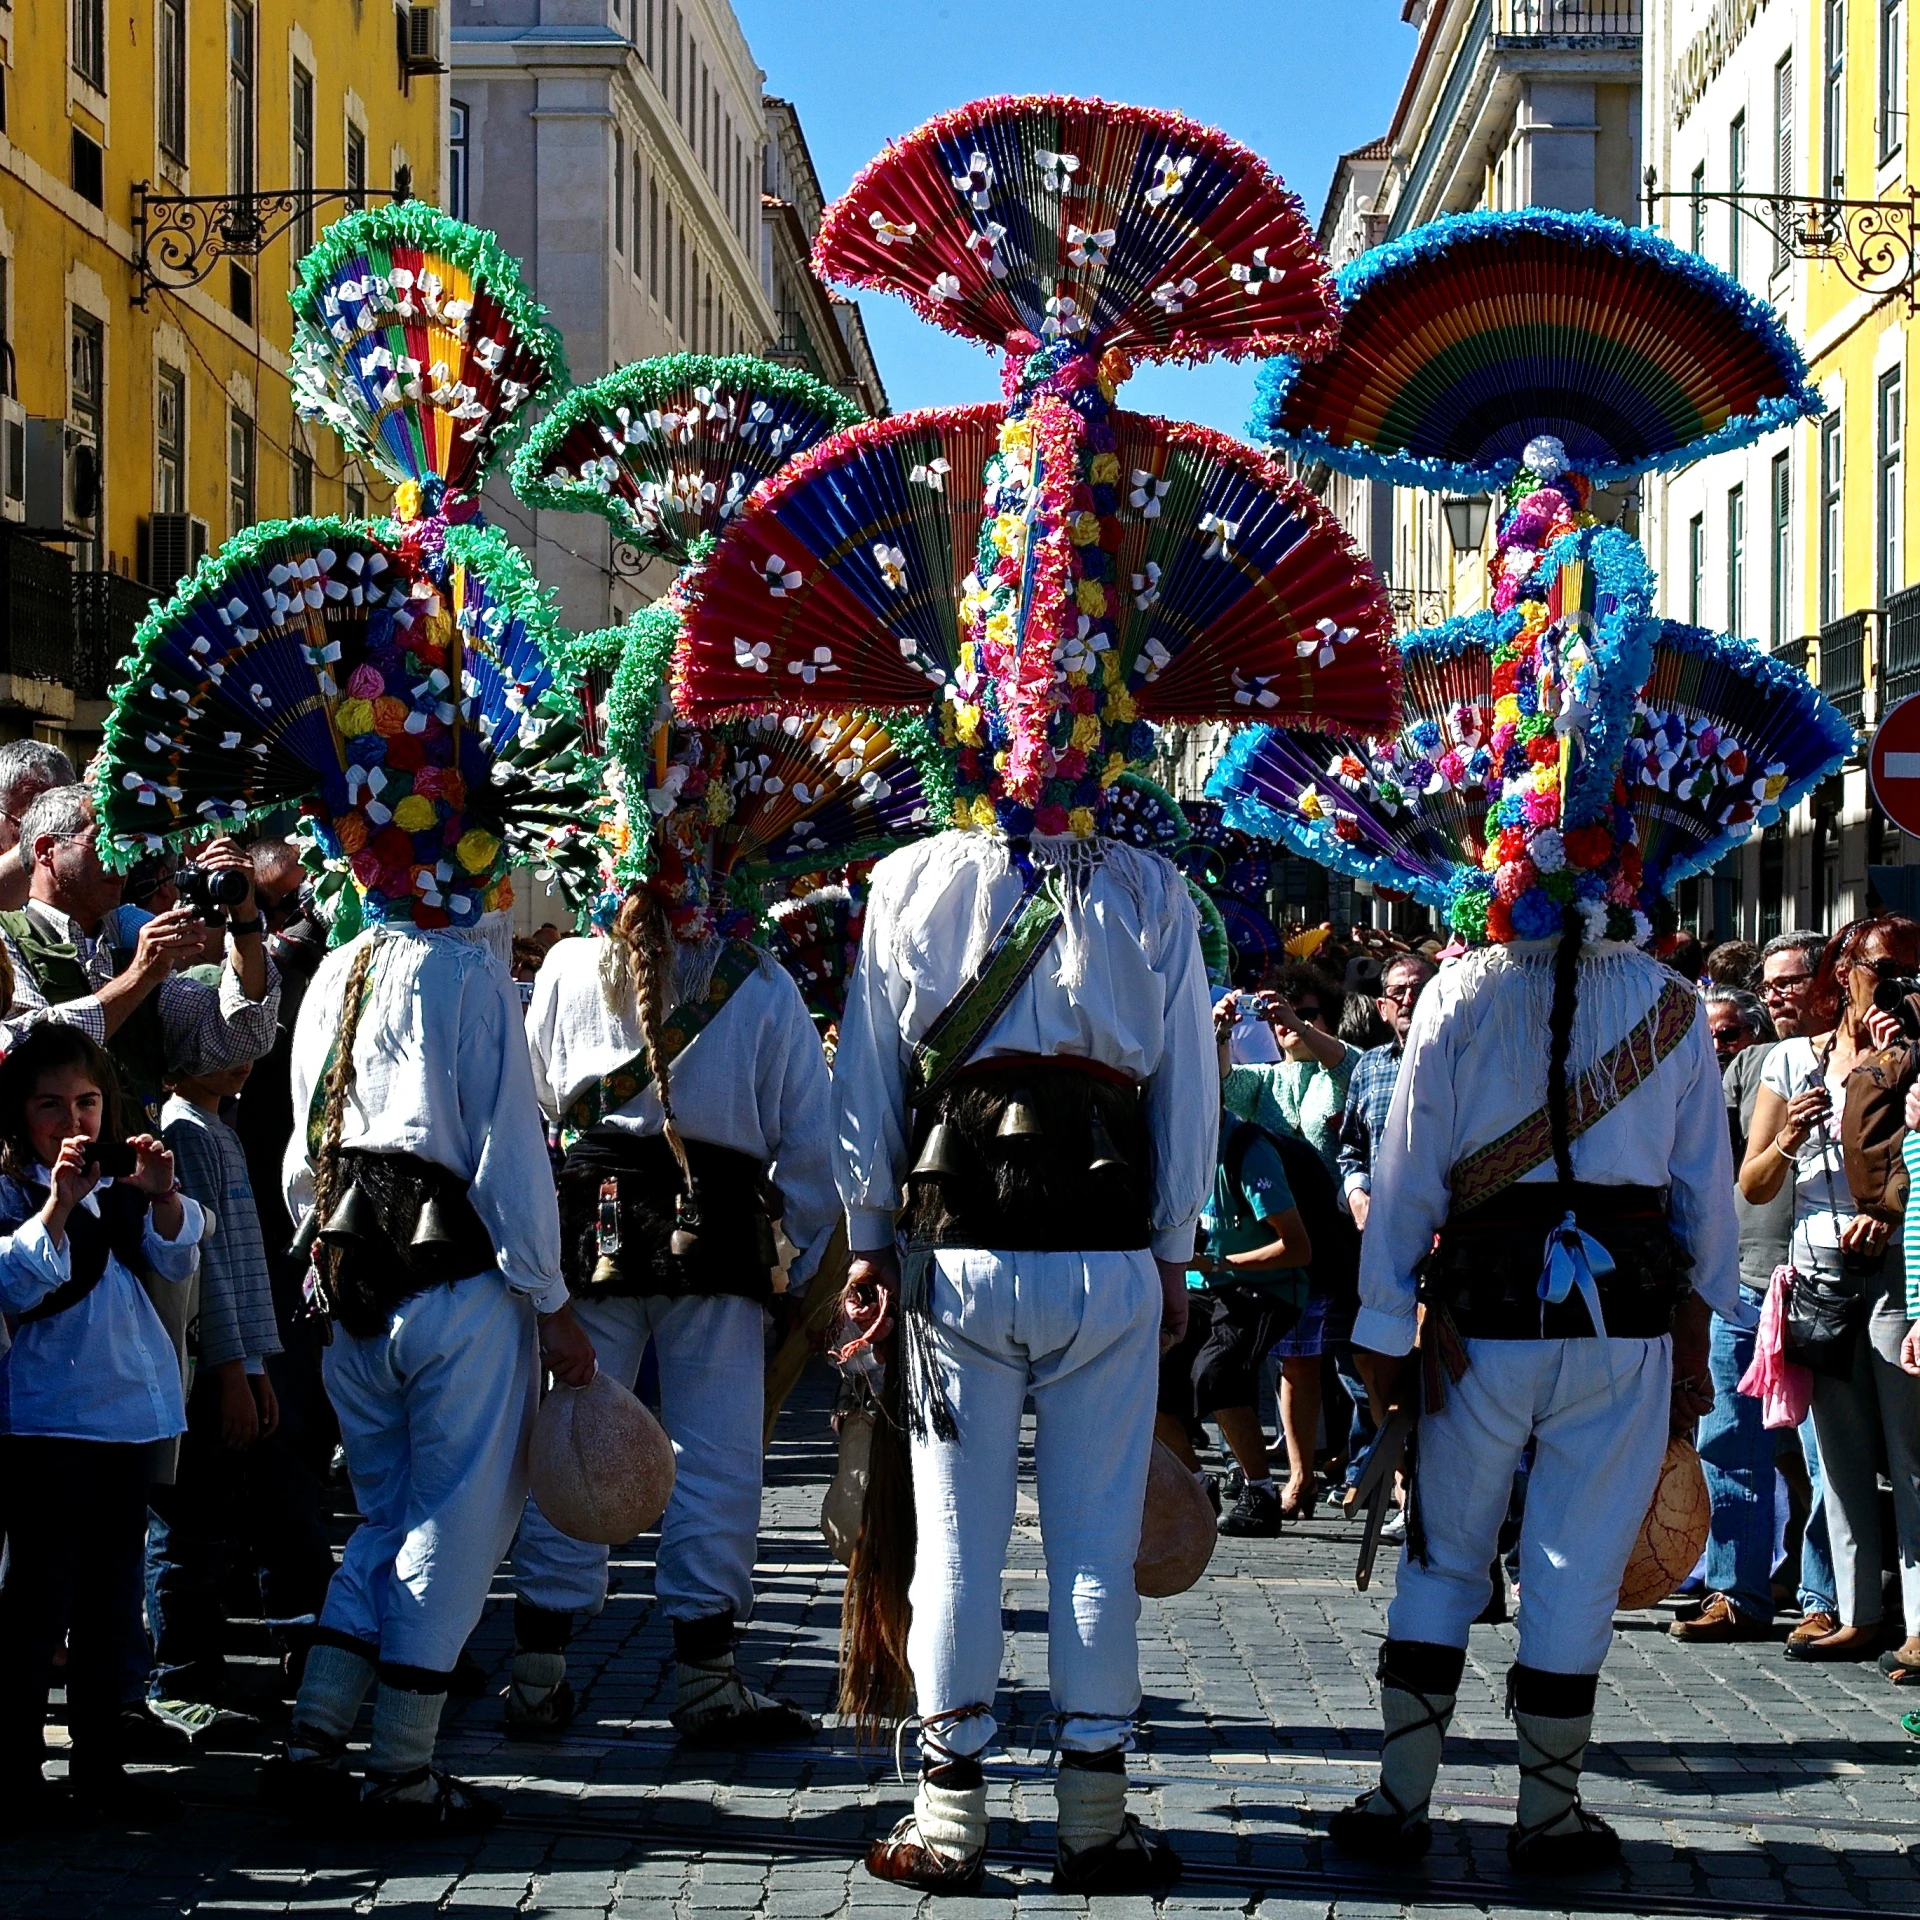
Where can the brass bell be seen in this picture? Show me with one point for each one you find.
(308, 1234)
(1020, 1121)
(685, 1238)
(431, 1229)
(943, 1152)
(1106, 1156)
(355, 1219)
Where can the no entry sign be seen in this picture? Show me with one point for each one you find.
(1893, 764)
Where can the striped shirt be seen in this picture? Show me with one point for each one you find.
(236, 1319)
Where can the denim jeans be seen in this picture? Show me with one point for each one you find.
(1736, 1451)
(1818, 1590)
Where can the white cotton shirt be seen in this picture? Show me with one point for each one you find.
(441, 1071)
(1822, 1200)
(1123, 984)
(1476, 1066)
(754, 1078)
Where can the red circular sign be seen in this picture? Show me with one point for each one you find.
(1893, 764)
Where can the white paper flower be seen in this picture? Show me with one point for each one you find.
(892, 564)
(1057, 170)
(1220, 535)
(1086, 249)
(1257, 275)
(945, 286)
(977, 182)
(1171, 296)
(752, 658)
(1146, 496)
(781, 579)
(1146, 586)
(892, 233)
(809, 670)
(1169, 179)
(931, 473)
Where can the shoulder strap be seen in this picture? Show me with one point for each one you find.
(1490, 1169)
(987, 992)
(737, 962)
(119, 1229)
(54, 964)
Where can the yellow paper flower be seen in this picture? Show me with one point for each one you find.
(719, 802)
(1115, 767)
(498, 897)
(414, 814)
(1086, 732)
(1507, 709)
(966, 723)
(476, 850)
(982, 812)
(406, 500)
(1091, 598)
(1016, 436)
(1080, 823)
(962, 813)
(1547, 778)
(1010, 534)
(1105, 469)
(999, 629)
(354, 717)
(1110, 667)
(1121, 712)
(1083, 529)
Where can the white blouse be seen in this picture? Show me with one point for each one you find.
(1123, 984)
(1476, 1065)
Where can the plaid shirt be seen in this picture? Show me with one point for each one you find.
(1369, 1095)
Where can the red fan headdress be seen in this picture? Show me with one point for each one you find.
(1054, 573)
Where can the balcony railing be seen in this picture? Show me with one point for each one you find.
(1900, 662)
(106, 609)
(1564, 19)
(1843, 662)
(1794, 652)
(58, 625)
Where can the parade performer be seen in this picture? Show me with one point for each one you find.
(395, 682)
(679, 1060)
(1024, 1079)
(1558, 1121)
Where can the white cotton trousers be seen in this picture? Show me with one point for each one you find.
(1081, 1333)
(434, 1416)
(1597, 1413)
(712, 1353)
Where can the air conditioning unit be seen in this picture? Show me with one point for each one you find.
(176, 544)
(420, 40)
(63, 475)
(13, 459)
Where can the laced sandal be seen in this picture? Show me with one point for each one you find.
(1591, 1847)
(1132, 1859)
(317, 1784)
(546, 1718)
(389, 1807)
(726, 1713)
(908, 1859)
(1402, 1836)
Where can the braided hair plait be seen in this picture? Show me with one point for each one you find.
(1566, 961)
(642, 924)
(333, 1116)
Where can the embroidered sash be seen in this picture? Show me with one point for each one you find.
(987, 992)
(1497, 1165)
(683, 1025)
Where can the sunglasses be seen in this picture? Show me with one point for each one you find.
(1314, 1012)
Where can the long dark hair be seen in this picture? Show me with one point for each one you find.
(1827, 997)
(50, 1048)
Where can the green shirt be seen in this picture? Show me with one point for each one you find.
(1300, 1097)
(1236, 1215)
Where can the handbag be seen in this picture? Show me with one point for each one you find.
(1821, 1326)
(1785, 1391)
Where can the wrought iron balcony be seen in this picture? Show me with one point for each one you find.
(1843, 664)
(1900, 655)
(1566, 19)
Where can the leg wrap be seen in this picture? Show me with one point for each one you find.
(1552, 1752)
(950, 1810)
(1418, 1685)
(1091, 1797)
(331, 1691)
(405, 1725)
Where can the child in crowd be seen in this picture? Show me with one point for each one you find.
(197, 1521)
(90, 1382)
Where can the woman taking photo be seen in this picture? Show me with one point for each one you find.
(1796, 1132)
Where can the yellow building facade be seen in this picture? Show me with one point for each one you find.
(147, 413)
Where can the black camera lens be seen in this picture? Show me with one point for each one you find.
(212, 892)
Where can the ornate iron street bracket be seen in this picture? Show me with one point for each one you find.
(1875, 244)
(628, 563)
(179, 238)
(1416, 607)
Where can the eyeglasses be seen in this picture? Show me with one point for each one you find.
(1790, 983)
(1724, 1037)
(1309, 1013)
(1403, 996)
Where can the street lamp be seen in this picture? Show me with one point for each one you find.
(1466, 520)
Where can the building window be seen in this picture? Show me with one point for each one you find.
(240, 457)
(169, 440)
(356, 166)
(686, 300)
(88, 368)
(1833, 100)
(639, 224)
(356, 498)
(1736, 559)
(457, 158)
(299, 484)
(240, 131)
(648, 5)
(1831, 531)
(1697, 209)
(1736, 183)
(1773, 878)
(87, 168)
(1893, 77)
(300, 156)
(1889, 477)
(653, 235)
(170, 80)
(90, 42)
(619, 194)
(1696, 565)
(679, 71)
(1780, 548)
(1782, 153)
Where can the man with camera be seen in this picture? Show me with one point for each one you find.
(153, 1021)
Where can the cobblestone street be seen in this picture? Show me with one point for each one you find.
(1740, 1784)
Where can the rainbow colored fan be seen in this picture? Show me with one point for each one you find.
(816, 938)
(1472, 335)
(854, 581)
(399, 696)
(1724, 740)
(1040, 218)
(668, 450)
(415, 340)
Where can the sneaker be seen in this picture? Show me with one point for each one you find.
(1255, 1515)
(1396, 1525)
(1719, 1621)
(192, 1720)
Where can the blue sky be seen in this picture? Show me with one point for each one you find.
(1299, 81)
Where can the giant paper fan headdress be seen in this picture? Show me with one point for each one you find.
(1054, 574)
(668, 450)
(1479, 332)
(395, 680)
